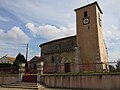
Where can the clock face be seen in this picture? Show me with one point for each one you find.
(86, 21)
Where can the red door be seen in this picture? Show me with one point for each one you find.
(67, 67)
(29, 78)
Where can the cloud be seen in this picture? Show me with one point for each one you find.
(112, 33)
(13, 41)
(4, 19)
(112, 37)
(14, 35)
(44, 11)
(51, 32)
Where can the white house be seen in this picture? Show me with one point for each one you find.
(6, 59)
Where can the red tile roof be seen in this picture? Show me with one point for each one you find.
(10, 58)
(35, 59)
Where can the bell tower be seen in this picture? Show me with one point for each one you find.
(92, 49)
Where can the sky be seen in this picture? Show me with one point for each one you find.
(34, 22)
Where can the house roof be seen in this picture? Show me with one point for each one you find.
(10, 58)
(35, 59)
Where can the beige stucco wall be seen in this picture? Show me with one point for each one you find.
(99, 82)
(8, 79)
(90, 38)
(102, 45)
(86, 38)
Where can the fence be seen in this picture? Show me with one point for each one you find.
(8, 70)
(68, 67)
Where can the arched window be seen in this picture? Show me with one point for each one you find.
(85, 14)
(52, 60)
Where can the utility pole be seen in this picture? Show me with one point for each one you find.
(27, 52)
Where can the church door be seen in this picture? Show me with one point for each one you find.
(67, 67)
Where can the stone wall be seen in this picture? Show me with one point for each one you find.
(58, 52)
(99, 81)
(8, 79)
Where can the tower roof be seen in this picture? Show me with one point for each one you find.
(90, 5)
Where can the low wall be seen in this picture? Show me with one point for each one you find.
(99, 81)
(8, 79)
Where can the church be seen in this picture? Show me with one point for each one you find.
(84, 52)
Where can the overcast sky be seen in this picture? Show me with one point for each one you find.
(38, 21)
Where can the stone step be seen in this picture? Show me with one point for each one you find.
(25, 84)
(32, 86)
